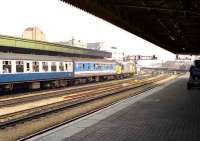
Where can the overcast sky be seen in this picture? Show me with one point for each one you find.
(60, 21)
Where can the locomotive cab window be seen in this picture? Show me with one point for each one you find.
(7, 66)
(45, 66)
(35, 66)
(19, 66)
(53, 66)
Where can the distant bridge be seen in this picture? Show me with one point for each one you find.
(166, 69)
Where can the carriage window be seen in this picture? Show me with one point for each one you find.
(83, 66)
(98, 67)
(89, 66)
(61, 66)
(111, 67)
(107, 67)
(35, 66)
(45, 66)
(104, 66)
(53, 66)
(19, 66)
(66, 67)
(6, 66)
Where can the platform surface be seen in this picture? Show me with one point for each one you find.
(167, 113)
(171, 114)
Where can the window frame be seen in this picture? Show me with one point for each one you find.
(53, 66)
(45, 65)
(21, 64)
(9, 72)
(37, 64)
(63, 65)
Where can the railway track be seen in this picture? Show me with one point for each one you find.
(28, 97)
(75, 100)
(66, 100)
(80, 116)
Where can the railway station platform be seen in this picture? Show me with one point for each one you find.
(167, 113)
(27, 46)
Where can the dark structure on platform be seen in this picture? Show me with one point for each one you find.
(170, 24)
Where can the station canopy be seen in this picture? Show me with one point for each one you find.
(171, 24)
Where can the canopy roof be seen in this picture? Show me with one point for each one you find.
(171, 24)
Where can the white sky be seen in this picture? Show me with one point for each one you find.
(60, 22)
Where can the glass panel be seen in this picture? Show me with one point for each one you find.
(7, 66)
(89, 67)
(53, 66)
(45, 66)
(19, 66)
(35, 66)
(61, 66)
(83, 66)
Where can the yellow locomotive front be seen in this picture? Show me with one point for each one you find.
(118, 69)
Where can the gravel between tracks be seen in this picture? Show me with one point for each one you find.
(28, 94)
(47, 101)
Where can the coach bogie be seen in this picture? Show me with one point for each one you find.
(90, 79)
(8, 87)
(63, 83)
(45, 85)
(34, 85)
(97, 79)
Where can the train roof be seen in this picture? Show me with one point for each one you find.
(14, 56)
(96, 60)
(18, 56)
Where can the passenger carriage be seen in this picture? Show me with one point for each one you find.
(94, 69)
(33, 69)
(42, 71)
